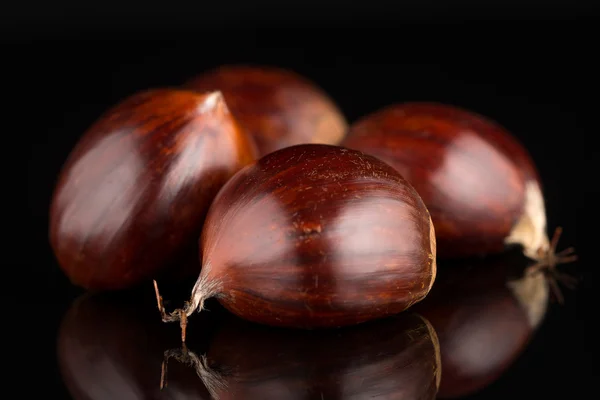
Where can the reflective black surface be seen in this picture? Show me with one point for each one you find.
(467, 338)
(111, 347)
(529, 78)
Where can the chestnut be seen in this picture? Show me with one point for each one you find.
(314, 236)
(479, 183)
(394, 358)
(485, 312)
(109, 348)
(134, 192)
(279, 107)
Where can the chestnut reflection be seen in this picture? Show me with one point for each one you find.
(485, 312)
(111, 346)
(394, 358)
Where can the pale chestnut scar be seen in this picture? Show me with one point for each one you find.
(530, 229)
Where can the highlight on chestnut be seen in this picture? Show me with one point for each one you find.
(314, 236)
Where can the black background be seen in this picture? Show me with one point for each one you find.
(532, 67)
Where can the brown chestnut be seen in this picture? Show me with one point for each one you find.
(280, 108)
(485, 312)
(314, 236)
(109, 348)
(393, 358)
(134, 192)
(477, 180)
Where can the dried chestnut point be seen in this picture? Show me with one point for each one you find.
(485, 312)
(314, 236)
(278, 107)
(109, 348)
(393, 358)
(135, 190)
(477, 180)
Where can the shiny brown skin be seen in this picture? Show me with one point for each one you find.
(111, 346)
(470, 171)
(278, 107)
(394, 358)
(315, 236)
(482, 325)
(135, 190)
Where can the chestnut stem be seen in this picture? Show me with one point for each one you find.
(179, 314)
(212, 380)
(547, 262)
(183, 322)
(203, 289)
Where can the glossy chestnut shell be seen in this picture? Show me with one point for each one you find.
(477, 180)
(485, 312)
(315, 236)
(279, 108)
(394, 358)
(133, 194)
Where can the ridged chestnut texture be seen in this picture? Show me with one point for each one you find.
(315, 236)
(110, 347)
(477, 180)
(135, 190)
(394, 358)
(485, 312)
(278, 107)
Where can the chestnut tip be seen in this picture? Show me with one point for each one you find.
(530, 229)
(211, 101)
